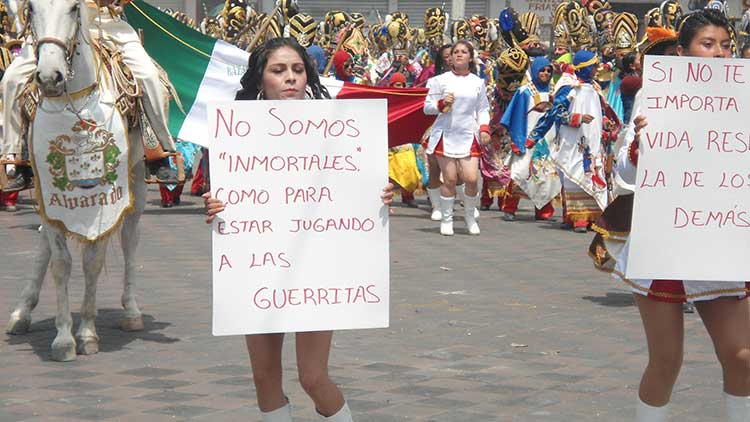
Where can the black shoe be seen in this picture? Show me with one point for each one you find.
(162, 172)
(484, 207)
(166, 205)
(688, 308)
(23, 180)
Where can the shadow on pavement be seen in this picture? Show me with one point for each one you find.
(111, 337)
(615, 300)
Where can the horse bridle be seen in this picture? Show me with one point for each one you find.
(69, 48)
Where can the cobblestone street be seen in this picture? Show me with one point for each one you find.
(513, 325)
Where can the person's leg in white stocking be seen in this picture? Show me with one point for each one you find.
(434, 195)
(647, 413)
(343, 415)
(282, 414)
(738, 408)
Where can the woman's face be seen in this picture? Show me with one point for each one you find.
(460, 57)
(284, 77)
(709, 41)
(447, 56)
(545, 75)
(348, 67)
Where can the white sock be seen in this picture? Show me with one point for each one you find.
(461, 192)
(282, 414)
(647, 413)
(738, 408)
(343, 415)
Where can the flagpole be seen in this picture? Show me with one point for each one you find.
(264, 26)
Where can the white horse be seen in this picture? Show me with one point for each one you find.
(66, 63)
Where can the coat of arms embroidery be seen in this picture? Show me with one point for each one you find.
(87, 158)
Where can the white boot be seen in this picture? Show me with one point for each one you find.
(461, 196)
(461, 193)
(470, 205)
(446, 209)
(343, 415)
(738, 408)
(282, 414)
(646, 413)
(434, 195)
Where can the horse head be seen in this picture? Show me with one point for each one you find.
(55, 25)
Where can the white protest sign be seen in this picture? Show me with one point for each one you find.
(303, 242)
(691, 217)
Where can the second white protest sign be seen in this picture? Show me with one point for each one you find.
(303, 242)
(691, 216)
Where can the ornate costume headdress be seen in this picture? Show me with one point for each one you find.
(577, 21)
(510, 68)
(560, 28)
(625, 29)
(435, 21)
(303, 28)
(530, 22)
(671, 12)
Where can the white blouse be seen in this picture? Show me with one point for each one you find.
(470, 111)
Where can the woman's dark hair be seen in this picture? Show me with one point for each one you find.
(440, 65)
(253, 77)
(470, 47)
(693, 22)
(627, 63)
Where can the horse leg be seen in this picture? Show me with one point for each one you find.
(64, 346)
(133, 319)
(92, 258)
(20, 319)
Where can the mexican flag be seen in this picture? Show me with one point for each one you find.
(205, 70)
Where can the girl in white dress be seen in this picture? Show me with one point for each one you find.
(459, 98)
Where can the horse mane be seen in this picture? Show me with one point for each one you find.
(85, 29)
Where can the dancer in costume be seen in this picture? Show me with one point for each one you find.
(702, 34)
(343, 65)
(510, 70)
(625, 32)
(102, 17)
(459, 99)
(540, 184)
(586, 126)
(280, 69)
(402, 160)
(442, 64)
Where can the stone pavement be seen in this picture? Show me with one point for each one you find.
(513, 325)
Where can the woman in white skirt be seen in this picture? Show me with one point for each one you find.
(459, 98)
(722, 305)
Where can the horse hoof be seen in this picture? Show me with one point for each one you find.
(63, 350)
(18, 325)
(87, 346)
(131, 324)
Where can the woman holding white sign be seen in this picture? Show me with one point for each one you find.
(705, 34)
(280, 69)
(459, 98)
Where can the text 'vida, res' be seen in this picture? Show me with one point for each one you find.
(228, 126)
(728, 142)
